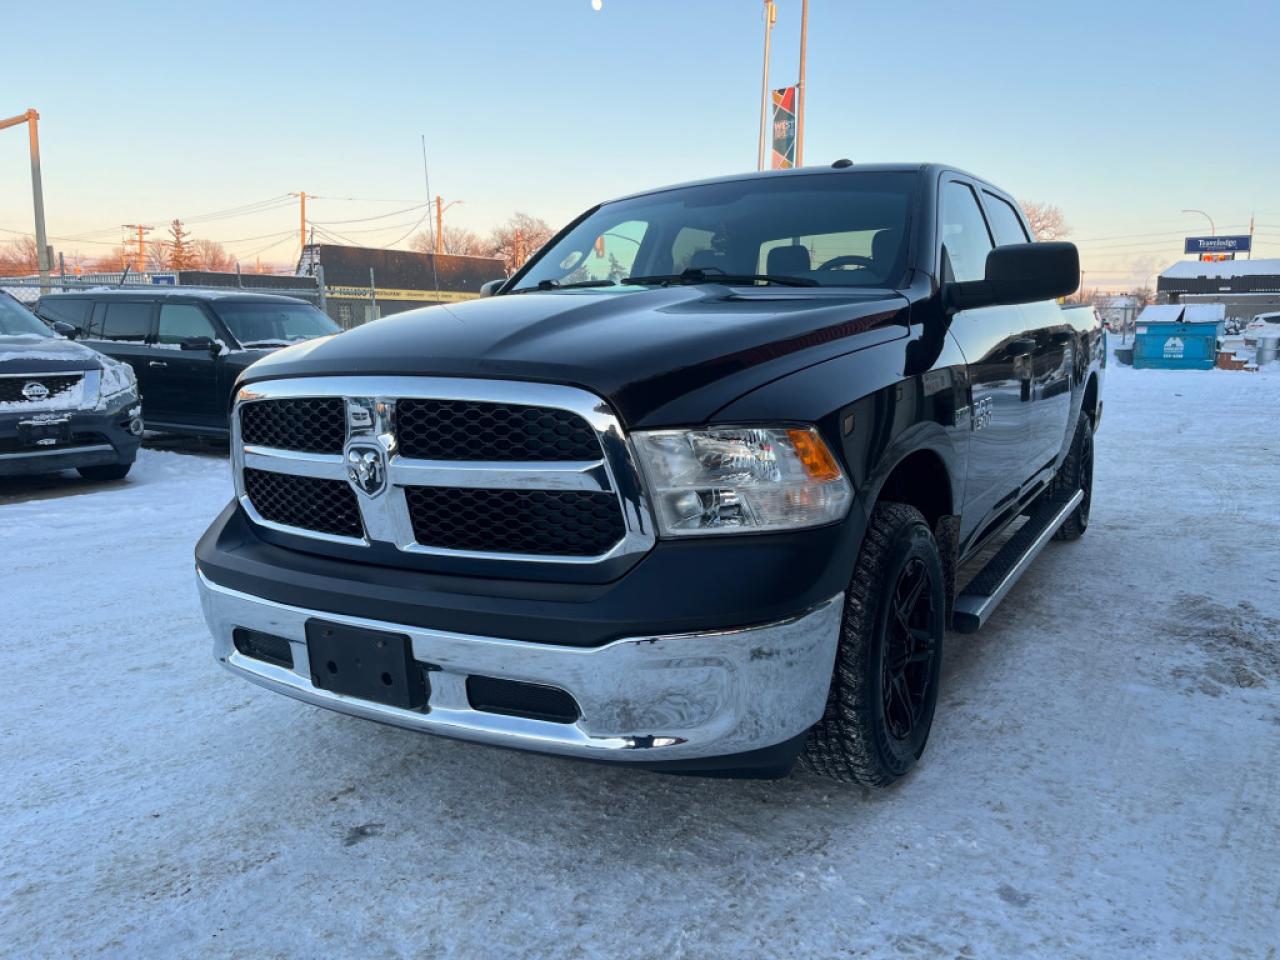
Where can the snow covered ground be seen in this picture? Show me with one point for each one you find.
(1103, 779)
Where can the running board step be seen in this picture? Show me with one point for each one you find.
(988, 588)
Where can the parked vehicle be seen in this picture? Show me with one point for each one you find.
(62, 405)
(1263, 323)
(690, 491)
(187, 347)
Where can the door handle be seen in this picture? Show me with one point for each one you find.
(157, 363)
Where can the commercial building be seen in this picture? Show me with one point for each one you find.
(363, 283)
(1245, 288)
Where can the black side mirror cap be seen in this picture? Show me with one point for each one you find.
(489, 288)
(1019, 273)
(64, 328)
(199, 343)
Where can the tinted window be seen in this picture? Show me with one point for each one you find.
(837, 229)
(127, 321)
(17, 321)
(1005, 223)
(272, 324)
(68, 310)
(180, 321)
(965, 240)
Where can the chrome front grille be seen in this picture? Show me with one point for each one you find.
(489, 469)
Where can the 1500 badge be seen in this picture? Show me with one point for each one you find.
(983, 411)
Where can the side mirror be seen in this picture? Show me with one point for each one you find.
(1019, 273)
(64, 328)
(491, 287)
(199, 343)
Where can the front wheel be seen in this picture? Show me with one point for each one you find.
(885, 684)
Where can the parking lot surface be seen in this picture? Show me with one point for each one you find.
(1103, 778)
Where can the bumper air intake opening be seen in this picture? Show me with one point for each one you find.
(263, 646)
(514, 698)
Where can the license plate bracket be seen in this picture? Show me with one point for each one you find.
(44, 433)
(367, 664)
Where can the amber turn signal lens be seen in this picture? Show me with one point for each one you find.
(814, 456)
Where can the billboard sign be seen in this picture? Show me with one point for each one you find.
(1239, 244)
(784, 128)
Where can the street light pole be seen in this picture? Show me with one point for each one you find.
(770, 15)
(32, 119)
(1212, 231)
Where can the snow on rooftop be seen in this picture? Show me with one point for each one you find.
(1184, 312)
(1223, 269)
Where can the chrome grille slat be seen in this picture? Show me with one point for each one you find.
(552, 503)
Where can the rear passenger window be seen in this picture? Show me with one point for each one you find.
(180, 321)
(1005, 222)
(127, 321)
(74, 312)
(965, 240)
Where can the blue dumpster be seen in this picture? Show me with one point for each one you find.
(1176, 346)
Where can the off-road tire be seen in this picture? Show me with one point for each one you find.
(105, 472)
(1077, 474)
(853, 742)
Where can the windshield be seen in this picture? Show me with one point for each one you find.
(17, 321)
(839, 230)
(274, 324)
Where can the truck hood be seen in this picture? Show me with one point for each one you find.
(45, 355)
(661, 356)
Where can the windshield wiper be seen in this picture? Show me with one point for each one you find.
(716, 275)
(557, 285)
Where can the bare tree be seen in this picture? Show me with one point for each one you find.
(211, 255)
(1046, 221)
(518, 239)
(1144, 295)
(159, 255)
(456, 240)
(19, 257)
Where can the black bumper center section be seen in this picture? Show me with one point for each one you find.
(366, 664)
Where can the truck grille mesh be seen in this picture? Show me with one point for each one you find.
(308, 424)
(11, 387)
(326, 506)
(469, 430)
(573, 523)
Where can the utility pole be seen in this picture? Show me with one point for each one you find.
(31, 118)
(1250, 257)
(770, 17)
(140, 257)
(302, 220)
(804, 39)
(439, 226)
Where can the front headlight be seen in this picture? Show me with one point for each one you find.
(741, 479)
(117, 380)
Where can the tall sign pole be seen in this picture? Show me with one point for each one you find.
(804, 37)
(32, 119)
(770, 15)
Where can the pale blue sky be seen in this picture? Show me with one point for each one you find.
(1121, 112)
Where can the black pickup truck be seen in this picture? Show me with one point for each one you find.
(690, 490)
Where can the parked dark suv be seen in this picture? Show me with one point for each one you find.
(187, 347)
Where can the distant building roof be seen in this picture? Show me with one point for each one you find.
(1185, 269)
(1224, 276)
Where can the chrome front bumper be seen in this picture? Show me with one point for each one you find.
(660, 698)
